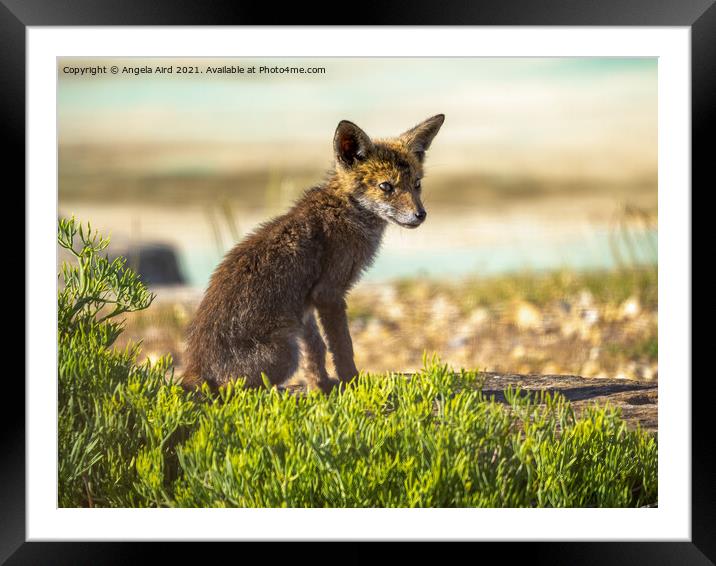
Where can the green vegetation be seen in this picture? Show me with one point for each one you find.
(543, 288)
(129, 436)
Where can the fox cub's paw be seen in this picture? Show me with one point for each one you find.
(326, 385)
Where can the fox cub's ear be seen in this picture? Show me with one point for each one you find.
(351, 144)
(418, 139)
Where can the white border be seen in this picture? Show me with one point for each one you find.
(671, 521)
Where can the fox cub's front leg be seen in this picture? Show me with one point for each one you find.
(335, 323)
(314, 356)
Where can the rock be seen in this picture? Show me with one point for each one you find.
(590, 316)
(444, 309)
(527, 316)
(387, 294)
(156, 263)
(518, 352)
(457, 341)
(586, 299)
(478, 317)
(590, 368)
(630, 308)
(550, 368)
(394, 311)
(638, 400)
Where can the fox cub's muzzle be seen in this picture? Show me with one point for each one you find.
(412, 219)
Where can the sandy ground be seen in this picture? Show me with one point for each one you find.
(469, 325)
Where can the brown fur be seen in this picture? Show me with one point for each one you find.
(260, 307)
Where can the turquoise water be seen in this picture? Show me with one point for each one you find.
(580, 252)
(481, 96)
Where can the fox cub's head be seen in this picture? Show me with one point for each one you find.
(383, 176)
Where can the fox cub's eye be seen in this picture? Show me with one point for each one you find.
(417, 184)
(386, 187)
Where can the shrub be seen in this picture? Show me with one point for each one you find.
(430, 441)
(129, 435)
(115, 416)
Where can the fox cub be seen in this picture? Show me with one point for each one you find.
(260, 308)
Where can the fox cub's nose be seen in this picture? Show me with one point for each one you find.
(421, 214)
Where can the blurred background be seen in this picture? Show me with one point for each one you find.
(540, 249)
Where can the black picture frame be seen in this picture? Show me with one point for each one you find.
(17, 15)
